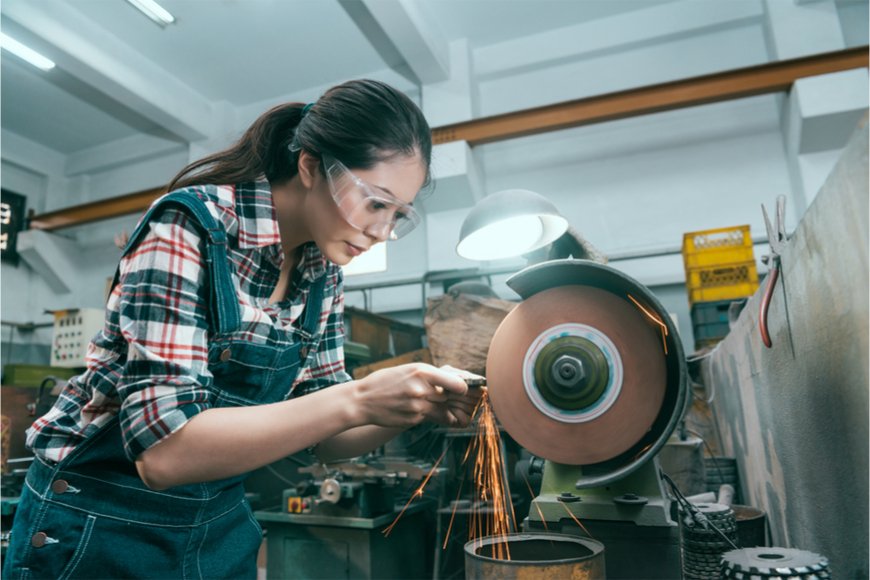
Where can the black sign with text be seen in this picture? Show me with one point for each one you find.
(11, 222)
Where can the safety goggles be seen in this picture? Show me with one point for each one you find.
(366, 207)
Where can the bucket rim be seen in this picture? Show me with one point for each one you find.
(596, 547)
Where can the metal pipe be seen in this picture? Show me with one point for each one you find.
(441, 275)
(766, 78)
(26, 326)
(771, 77)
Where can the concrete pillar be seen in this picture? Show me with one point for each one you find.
(224, 135)
(454, 165)
(452, 100)
(796, 29)
(50, 256)
(820, 114)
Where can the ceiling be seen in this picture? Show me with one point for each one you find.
(119, 75)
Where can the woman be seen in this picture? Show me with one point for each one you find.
(227, 308)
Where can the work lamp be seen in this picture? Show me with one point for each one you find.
(509, 223)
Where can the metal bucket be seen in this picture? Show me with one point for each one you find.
(751, 526)
(535, 556)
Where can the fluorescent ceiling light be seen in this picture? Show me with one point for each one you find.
(154, 11)
(25, 53)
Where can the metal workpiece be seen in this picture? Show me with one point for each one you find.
(363, 487)
(380, 468)
(707, 533)
(774, 563)
(476, 382)
(535, 556)
(330, 490)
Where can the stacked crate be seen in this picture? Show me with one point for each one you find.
(720, 269)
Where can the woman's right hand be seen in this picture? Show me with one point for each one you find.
(405, 395)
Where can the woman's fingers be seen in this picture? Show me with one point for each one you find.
(462, 417)
(408, 394)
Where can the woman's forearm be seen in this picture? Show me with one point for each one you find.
(354, 442)
(223, 442)
(350, 419)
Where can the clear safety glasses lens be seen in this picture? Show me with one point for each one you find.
(366, 207)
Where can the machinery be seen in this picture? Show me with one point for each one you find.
(361, 488)
(339, 523)
(588, 374)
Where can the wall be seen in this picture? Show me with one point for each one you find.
(43, 177)
(796, 415)
(16, 344)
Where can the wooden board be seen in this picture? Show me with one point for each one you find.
(460, 328)
(384, 336)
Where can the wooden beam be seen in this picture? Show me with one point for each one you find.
(96, 210)
(767, 78)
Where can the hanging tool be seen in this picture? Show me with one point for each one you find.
(777, 239)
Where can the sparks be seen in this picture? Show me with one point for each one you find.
(576, 521)
(417, 493)
(492, 511)
(652, 316)
(491, 486)
(453, 514)
(534, 503)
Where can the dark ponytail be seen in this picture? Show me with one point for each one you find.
(360, 123)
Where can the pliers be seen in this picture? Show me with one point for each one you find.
(777, 239)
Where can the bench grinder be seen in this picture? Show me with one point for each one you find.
(588, 374)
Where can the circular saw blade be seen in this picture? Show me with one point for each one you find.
(643, 381)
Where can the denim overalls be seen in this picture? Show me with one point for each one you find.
(90, 516)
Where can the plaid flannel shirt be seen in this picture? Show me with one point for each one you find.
(149, 363)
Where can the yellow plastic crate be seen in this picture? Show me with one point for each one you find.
(717, 246)
(722, 282)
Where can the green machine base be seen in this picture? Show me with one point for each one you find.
(631, 517)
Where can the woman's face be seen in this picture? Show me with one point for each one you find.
(343, 228)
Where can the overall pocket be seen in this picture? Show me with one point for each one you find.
(117, 548)
(57, 546)
(241, 370)
(253, 374)
(229, 546)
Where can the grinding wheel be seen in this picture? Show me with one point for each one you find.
(576, 374)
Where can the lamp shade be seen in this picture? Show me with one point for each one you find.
(509, 223)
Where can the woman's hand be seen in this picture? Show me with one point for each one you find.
(461, 406)
(121, 239)
(406, 395)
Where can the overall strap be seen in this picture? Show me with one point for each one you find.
(314, 305)
(223, 302)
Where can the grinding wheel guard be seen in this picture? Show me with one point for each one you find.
(588, 370)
